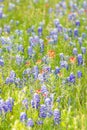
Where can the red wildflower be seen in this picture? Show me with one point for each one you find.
(73, 60)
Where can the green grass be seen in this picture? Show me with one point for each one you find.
(73, 116)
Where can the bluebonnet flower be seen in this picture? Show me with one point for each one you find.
(48, 103)
(72, 78)
(36, 98)
(60, 28)
(1, 105)
(56, 22)
(72, 17)
(30, 51)
(30, 122)
(1, 0)
(85, 4)
(35, 72)
(50, 10)
(12, 74)
(57, 70)
(31, 40)
(7, 28)
(1, 14)
(80, 40)
(17, 22)
(7, 80)
(41, 77)
(27, 71)
(84, 35)
(40, 31)
(44, 89)
(80, 59)
(43, 111)
(64, 6)
(58, 99)
(9, 102)
(6, 106)
(66, 37)
(41, 45)
(53, 32)
(76, 32)
(75, 52)
(77, 23)
(17, 81)
(23, 117)
(70, 32)
(39, 122)
(35, 75)
(61, 56)
(19, 32)
(35, 102)
(1, 62)
(55, 39)
(35, 69)
(11, 78)
(9, 48)
(79, 74)
(32, 103)
(25, 103)
(20, 48)
(81, 11)
(64, 64)
(57, 116)
(83, 49)
(36, 39)
(19, 59)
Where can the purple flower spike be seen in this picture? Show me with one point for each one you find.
(20, 48)
(1, 62)
(25, 103)
(57, 70)
(43, 111)
(79, 74)
(30, 51)
(36, 98)
(1, 14)
(70, 32)
(72, 78)
(39, 122)
(57, 116)
(40, 31)
(23, 117)
(43, 89)
(75, 52)
(48, 102)
(30, 123)
(36, 101)
(80, 41)
(80, 59)
(1, 0)
(56, 22)
(77, 23)
(76, 33)
(83, 49)
(84, 35)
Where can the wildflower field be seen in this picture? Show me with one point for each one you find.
(43, 64)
